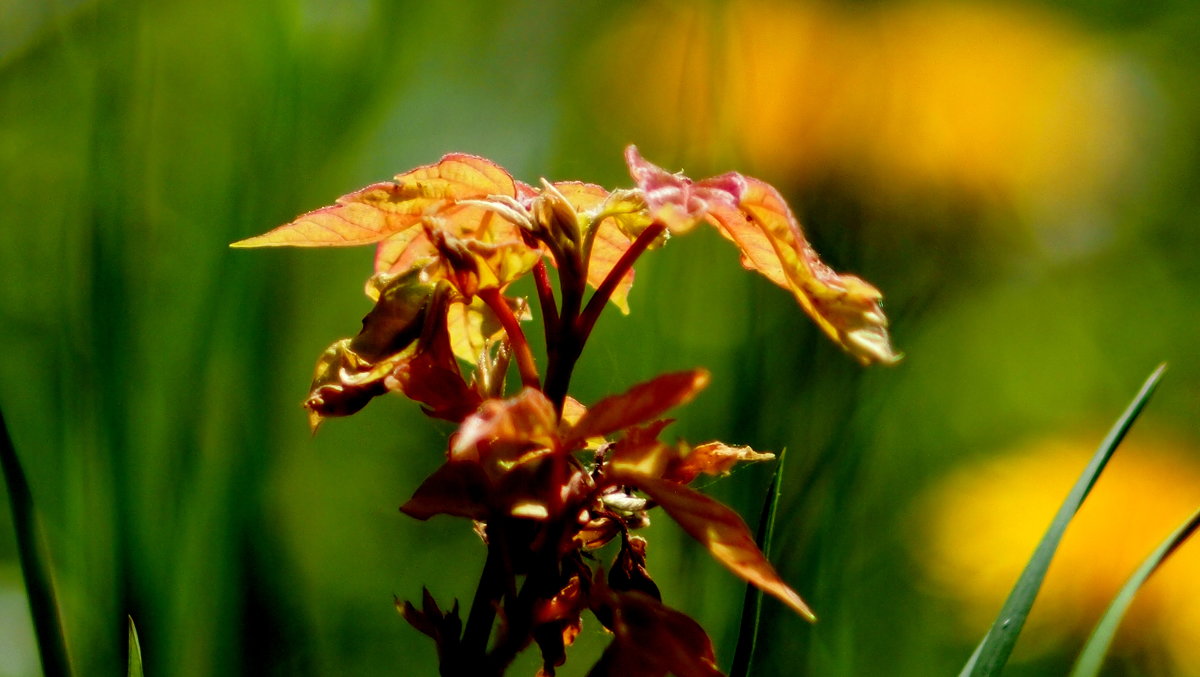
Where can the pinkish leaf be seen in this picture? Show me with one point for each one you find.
(674, 199)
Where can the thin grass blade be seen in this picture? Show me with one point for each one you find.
(38, 586)
(135, 651)
(1092, 657)
(752, 602)
(997, 645)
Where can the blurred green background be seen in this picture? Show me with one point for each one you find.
(1019, 179)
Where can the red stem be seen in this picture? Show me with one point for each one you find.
(546, 300)
(596, 304)
(525, 364)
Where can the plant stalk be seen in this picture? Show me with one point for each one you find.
(483, 609)
(47, 625)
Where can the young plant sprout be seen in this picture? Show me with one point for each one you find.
(546, 480)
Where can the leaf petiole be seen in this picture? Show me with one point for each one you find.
(525, 364)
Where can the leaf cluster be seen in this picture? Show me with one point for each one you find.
(546, 480)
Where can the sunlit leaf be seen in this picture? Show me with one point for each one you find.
(362, 217)
(755, 217)
(722, 531)
(383, 209)
(639, 404)
(458, 176)
(573, 410)
(843, 306)
(713, 458)
(639, 451)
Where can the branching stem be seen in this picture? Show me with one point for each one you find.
(604, 292)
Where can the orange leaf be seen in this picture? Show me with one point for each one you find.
(357, 218)
(844, 306)
(640, 403)
(383, 209)
(712, 458)
(719, 529)
(753, 215)
(573, 410)
(459, 176)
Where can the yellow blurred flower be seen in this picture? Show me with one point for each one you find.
(980, 524)
(992, 101)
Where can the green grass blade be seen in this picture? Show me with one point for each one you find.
(1092, 656)
(135, 651)
(38, 586)
(752, 602)
(993, 651)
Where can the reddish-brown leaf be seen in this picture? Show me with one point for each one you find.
(404, 346)
(629, 569)
(651, 639)
(352, 371)
(639, 404)
(343, 382)
(722, 531)
(457, 488)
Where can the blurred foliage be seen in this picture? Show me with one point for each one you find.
(1017, 179)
